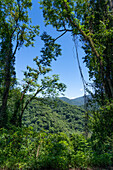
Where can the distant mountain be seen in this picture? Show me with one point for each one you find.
(67, 100)
(77, 101)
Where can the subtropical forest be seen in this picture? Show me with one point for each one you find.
(46, 132)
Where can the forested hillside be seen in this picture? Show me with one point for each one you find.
(54, 116)
(42, 133)
(77, 101)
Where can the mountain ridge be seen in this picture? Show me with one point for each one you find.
(79, 101)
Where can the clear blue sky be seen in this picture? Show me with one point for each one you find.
(66, 65)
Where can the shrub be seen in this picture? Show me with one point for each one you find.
(56, 152)
(18, 148)
(82, 151)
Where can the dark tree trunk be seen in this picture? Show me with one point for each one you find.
(7, 82)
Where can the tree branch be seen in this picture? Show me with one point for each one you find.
(87, 37)
(64, 30)
(60, 36)
(16, 45)
(28, 101)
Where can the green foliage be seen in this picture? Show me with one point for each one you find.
(17, 30)
(92, 22)
(102, 160)
(82, 151)
(28, 148)
(102, 136)
(102, 122)
(24, 148)
(102, 152)
(56, 152)
(50, 51)
(54, 116)
(15, 21)
(47, 86)
(18, 148)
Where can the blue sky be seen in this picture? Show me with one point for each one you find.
(66, 65)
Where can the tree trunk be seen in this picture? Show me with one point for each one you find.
(7, 82)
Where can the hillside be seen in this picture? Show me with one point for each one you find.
(77, 101)
(54, 116)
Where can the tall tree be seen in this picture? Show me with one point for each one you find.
(92, 22)
(33, 85)
(15, 30)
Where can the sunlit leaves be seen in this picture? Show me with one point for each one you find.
(15, 15)
(52, 87)
(48, 85)
(25, 148)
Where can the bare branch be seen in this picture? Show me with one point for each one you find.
(64, 30)
(60, 36)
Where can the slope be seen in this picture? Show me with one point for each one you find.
(54, 116)
(77, 101)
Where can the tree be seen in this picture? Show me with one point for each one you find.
(49, 86)
(33, 85)
(92, 22)
(17, 30)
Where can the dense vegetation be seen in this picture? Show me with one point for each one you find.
(42, 134)
(26, 149)
(54, 116)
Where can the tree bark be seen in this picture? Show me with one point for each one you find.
(7, 82)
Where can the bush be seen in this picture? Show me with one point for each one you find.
(24, 148)
(27, 149)
(103, 160)
(82, 151)
(18, 148)
(56, 152)
(102, 152)
(102, 122)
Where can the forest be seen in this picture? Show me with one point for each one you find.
(48, 132)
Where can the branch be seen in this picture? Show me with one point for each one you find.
(64, 30)
(60, 36)
(28, 101)
(6, 26)
(16, 45)
(23, 93)
(87, 37)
